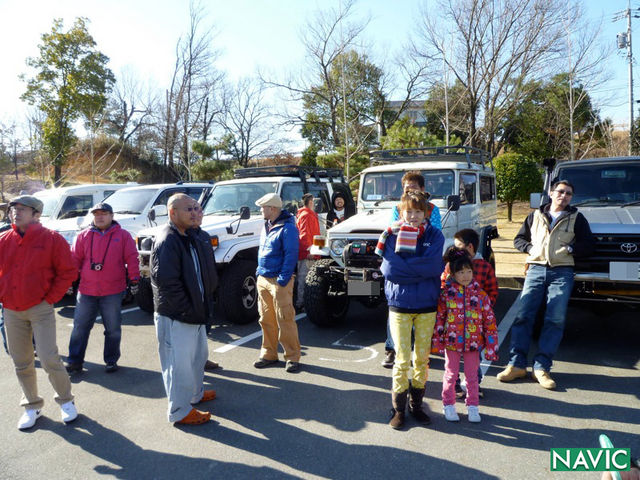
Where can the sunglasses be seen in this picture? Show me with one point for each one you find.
(192, 209)
(564, 192)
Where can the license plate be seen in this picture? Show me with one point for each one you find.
(624, 271)
(359, 288)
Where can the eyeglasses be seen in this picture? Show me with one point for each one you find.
(192, 209)
(564, 192)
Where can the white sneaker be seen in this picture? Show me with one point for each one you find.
(450, 413)
(28, 418)
(68, 412)
(474, 414)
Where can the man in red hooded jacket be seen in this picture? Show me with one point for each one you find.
(308, 226)
(106, 256)
(36, 269)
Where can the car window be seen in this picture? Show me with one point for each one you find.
(195, 192)
(467, 188)
(131, 202)
(487, 188)
(76, 206)
(163, 198)
(228, 199)
(292, 193)
(106, 193)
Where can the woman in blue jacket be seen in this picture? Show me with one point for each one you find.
(411, 250)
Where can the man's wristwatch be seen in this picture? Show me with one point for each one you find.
(569, 249)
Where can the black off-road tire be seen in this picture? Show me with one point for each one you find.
(238, 292)
(322, 309)
(144, 297)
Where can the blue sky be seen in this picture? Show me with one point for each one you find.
(141, 35)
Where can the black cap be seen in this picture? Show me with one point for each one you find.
(102, 206)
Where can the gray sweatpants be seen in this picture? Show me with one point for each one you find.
(183, 352)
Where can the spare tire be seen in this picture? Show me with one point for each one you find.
(323, 309)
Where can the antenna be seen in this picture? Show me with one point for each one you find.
(623, 40)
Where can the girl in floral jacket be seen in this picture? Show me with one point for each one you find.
(464, 325)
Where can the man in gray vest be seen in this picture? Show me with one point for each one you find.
(552, 236)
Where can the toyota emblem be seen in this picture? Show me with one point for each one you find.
(629, 247)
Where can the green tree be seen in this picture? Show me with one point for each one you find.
(540, 126)
(516, 178)
(403, 134)
(351, 89)
(72, 80)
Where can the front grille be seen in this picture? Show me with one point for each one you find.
(609, 249)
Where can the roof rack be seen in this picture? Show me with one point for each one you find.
(447, 153)
(299, 171)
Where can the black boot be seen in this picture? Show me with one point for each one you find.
(415, 405)
(399, 402)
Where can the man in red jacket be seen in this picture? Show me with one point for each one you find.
(106, 256)
(308, 226)
(36, 269)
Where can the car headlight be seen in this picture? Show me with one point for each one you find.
(337, 246)
(69, 236)
(146, 243)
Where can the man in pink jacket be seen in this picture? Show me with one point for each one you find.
(106, 256)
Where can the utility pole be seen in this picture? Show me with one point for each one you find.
(624, 42)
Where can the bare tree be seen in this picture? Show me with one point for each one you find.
(498, 47)
(246, 121)
(327, 34)
(189, 94)
(130, 107)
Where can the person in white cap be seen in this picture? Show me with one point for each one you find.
(36, 270)
(277, 259)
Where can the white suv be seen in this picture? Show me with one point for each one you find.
(64, 208)
(234, 222)
(461, 182)
(145, 206)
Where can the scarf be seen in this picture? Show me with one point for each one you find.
(407, 237)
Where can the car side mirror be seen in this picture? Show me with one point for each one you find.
(453, 203)
(157, 211)
(535, 199)
(245, 213)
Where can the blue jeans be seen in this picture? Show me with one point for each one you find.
(4, 335)
(388, 345)
(87, 307)
(542, 284)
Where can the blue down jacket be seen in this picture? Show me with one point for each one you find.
(278, 253)
(412, 281)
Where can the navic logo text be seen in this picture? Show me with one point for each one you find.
(590, 459)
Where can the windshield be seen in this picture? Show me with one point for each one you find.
(227, 199)
(386, 186)
(131, 201)
(50, 202)
(603, 184)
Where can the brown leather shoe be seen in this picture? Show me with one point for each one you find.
(207, 396)
(544, 379)
(211, 365)
(195, 417)
(511, 373)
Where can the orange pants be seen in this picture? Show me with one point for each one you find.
(277, 319)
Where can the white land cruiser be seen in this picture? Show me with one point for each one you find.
(234, 222)
(607, 193)
(461, 182)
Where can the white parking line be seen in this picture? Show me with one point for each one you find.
(338, 343)
(503, 329)
(248, 338)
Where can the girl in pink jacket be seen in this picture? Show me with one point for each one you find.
(464, 325)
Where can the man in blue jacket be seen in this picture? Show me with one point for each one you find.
(277, 258)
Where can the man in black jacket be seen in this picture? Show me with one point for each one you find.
(183, 278)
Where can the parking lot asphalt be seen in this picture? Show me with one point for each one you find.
(329, 420)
